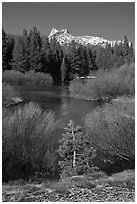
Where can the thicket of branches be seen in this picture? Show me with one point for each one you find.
(26, 135)
(112, 130)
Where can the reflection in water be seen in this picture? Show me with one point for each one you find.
(64, 107)
(57, 99)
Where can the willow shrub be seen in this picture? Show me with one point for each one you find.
(8, 93)
(31, 77)
(112, 130)
(107, 84)
(25, 140)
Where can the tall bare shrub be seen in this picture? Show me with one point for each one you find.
(112, 130)
(25, 136)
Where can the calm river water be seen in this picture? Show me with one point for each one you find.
(58, 100)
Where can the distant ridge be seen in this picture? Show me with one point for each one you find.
(64, 37)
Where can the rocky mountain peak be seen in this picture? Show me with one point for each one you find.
(64, 37)
(64, 30)
(53, 32)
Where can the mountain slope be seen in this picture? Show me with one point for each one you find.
(64, 37)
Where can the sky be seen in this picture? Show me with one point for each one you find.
(110, 20)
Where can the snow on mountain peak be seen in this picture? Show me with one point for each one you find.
(53, 32)
(64, 37)
(64, 30)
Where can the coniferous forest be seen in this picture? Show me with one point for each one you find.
(33, 52)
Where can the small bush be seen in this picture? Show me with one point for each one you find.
(48, 183)
(31, 77)
(60, 188)
(112, 130)
(8, 93)
(122, 179)
(97, 175)
(130, 183)
(80, 181)
(108, 84)
(25, 139)
(126, 175)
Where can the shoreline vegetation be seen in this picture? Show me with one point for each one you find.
(26, 138)
(13, 77)
(106, 85)
(9, 96)
(112, 130)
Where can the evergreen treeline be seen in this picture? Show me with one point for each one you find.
(30, 51)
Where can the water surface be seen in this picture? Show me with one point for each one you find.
(58, 100)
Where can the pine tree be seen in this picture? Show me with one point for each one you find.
(55, 56)
(68, 68)
(76, 152)
(20, 61)
(131, 55)
(125, 47)
(35, 50)
(45, 45)
(45, 54)
(101, 58)
(110, 57)
(25, 40)
(84, 71)
(76, 62)
(91, 60)
(118, 51)
(10, 51)
(26, 49)
(5, 51)
(63, 70)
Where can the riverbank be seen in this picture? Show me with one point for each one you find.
(13, 77)
(117, 188)
(106, 85)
